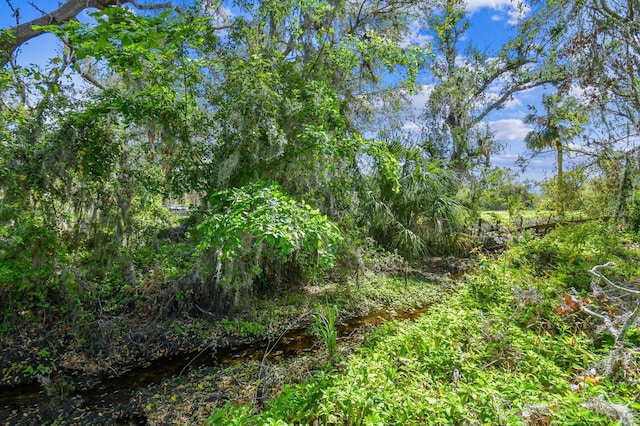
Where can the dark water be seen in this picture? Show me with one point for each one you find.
(118, 389)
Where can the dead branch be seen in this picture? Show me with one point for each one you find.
(595, 273)
(616, 360)
(619, 334)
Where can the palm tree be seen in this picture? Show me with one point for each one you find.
(423, 215)
(562, 120)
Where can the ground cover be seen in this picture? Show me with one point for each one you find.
(69, 371)
(511, 347)
(527, 216)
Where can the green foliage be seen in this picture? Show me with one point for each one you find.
(634, 216)
(257, 226)
(325, 328)
(28, 261)
(180, 107)
(502, 191)
(269, 216)
(495, 353)
(423, 217)
(566, 252)
(563, 119)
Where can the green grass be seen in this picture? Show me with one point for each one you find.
(495, 353)
(269, 316)
(502, 216)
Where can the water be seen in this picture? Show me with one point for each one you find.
(109, 390)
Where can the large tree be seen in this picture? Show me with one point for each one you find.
(600, 45)
(561, 121)
(470, 83)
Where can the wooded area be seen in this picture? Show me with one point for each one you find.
(279, 128)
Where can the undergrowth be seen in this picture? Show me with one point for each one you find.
(499, 351)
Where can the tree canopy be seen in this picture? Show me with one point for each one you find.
(299, 102)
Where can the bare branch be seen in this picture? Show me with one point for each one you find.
(15, 12)
(37, 8)
(87, 77)
(594, 272)
(156, 6)
(628, 323)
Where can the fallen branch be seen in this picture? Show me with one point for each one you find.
(617, 355)
(595, 271)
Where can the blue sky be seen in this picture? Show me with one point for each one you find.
(492, 22)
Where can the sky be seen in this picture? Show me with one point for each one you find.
(492, 22)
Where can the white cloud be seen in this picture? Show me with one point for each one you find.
(416, 36)
(516, 9)
(583, 94)
(509, 129)
(220, 15)
(504, 160)
(511, 103)
(412, 127)
(474, 5)
(538, 169)
(420, 97)
(518, 12)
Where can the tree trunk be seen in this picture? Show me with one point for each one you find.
(560, 196)
(626, 191)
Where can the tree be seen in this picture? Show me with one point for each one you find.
(467, 90)
(81, 176)
(562, 120)
(298, 81)
(424, 216)
(505, 192)
(14, 37)
(180, 104)
(600, 41)
(600, 45)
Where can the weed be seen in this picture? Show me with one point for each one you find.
(494, 353)
(325, 328)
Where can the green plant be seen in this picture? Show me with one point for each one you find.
(258, 233)
(252, 328)
(325, 328)
(494, 353)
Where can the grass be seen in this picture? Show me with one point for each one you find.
(269, 316)
(499, 217)
(497, 352)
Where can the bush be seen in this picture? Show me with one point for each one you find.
(257, 231)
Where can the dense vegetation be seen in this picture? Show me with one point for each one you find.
(505, 349)
(282, 126)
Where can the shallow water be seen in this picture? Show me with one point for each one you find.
(109, 390)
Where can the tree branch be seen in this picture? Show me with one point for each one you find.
(628, 323)
(594, 272)
(68, 11)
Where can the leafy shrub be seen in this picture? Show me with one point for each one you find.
(257, 231)
(28, 262)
